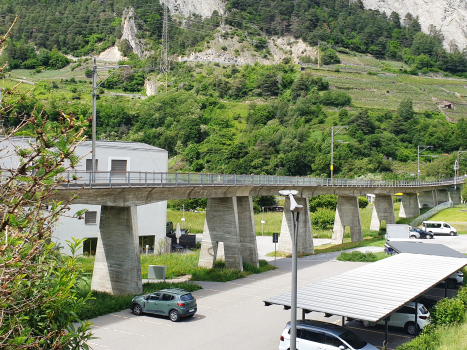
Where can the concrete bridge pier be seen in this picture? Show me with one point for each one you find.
(427, 199)
(442, 195)
(229, 220)
(455, 196)
(117, 268)
(305, 236)
(382, 210)
(347, 214)
(409, 206)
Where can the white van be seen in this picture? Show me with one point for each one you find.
(439, 228)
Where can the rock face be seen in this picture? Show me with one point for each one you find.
(151, 87)
(129, 31)
(204, 8)
(449, 16)
(112, 54)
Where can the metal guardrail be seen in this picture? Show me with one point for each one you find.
(154, 179)
(431, 212)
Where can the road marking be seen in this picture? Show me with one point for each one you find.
(370, 330)
(140, 319)
(104, 346)
(116, 330)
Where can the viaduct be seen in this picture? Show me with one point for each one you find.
(229, 213)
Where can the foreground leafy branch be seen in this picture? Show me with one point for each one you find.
(38, 298)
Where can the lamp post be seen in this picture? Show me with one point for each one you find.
(294, 209)
(94, 112)
(183, 218)
(418, 159)
(339, 128)
(262, 222)
(456, 168)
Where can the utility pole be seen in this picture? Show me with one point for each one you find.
(339, 128)
(319, 56)
(295, 210)
(165, 64)
(418, 161)
(456, 168)
(94, 108)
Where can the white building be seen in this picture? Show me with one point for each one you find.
(117, 156)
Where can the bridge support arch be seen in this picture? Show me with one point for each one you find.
(229, 220)
(382, 210)
(347, 214)
(117, 268)
(305, 236)
(409, 206)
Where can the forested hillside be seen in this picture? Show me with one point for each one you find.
(254, 118)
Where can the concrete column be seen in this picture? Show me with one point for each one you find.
(247, 231)
(221, 225)
(347, 214)
(409, 206)
(426, 199)
(382, 210)
(455, 196)
(305, 236)
(117, 268)
(443, 196)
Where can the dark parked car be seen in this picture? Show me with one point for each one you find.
(416, 232)
(173, 302)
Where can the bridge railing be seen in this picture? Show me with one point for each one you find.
(150, 179)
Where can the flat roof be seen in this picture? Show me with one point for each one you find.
(414, 247)
(374, 291)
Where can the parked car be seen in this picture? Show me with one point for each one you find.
(314, 335)
(455, 279)
(404, 318)
(428, 302)
(173, 302)
(416, 232)
(439, 228)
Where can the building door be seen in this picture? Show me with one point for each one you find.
(118, 168)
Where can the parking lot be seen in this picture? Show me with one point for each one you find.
(232, 315)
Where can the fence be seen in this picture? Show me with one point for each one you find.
(431, 212)
(151, 179)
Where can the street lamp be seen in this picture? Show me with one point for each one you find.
(456, 168)
(183, 218)
(418, 161)
(294, 208)
(94, 112)
(339, 128)
(262, 222)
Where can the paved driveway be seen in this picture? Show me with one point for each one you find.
(231, 315)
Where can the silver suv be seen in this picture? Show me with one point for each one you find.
(314, 335)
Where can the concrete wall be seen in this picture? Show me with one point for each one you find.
(427, 199)
(455, 196)
(442, 196)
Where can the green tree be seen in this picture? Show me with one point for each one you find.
(39, 300)
(405, 110)
(464, 193)
(361, 122)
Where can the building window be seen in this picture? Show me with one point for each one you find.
(89, 246)
(118, 167)
(90, 218)
(146, 240)
(89, 164)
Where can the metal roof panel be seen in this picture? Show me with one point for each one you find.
(374, 291)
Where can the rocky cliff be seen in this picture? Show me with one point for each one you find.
(129, 31)
(450, 16)
(204, 8)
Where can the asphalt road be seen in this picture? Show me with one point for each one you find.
(232, 315)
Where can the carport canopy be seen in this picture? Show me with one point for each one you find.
(414, 247)
(374, 291)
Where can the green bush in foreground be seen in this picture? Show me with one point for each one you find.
(105, 303)
(362, 257)
(448, 311)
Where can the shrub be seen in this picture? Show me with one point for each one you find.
(328, 201)
(362, 202)
(448, 311)
(224, 48)
(323, 218)
(336, 98)
(363, 257)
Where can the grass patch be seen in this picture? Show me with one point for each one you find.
(362, 257)
(176, 264)
(221, 274)
(105, 303)
(367, 242)
(451, 215)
